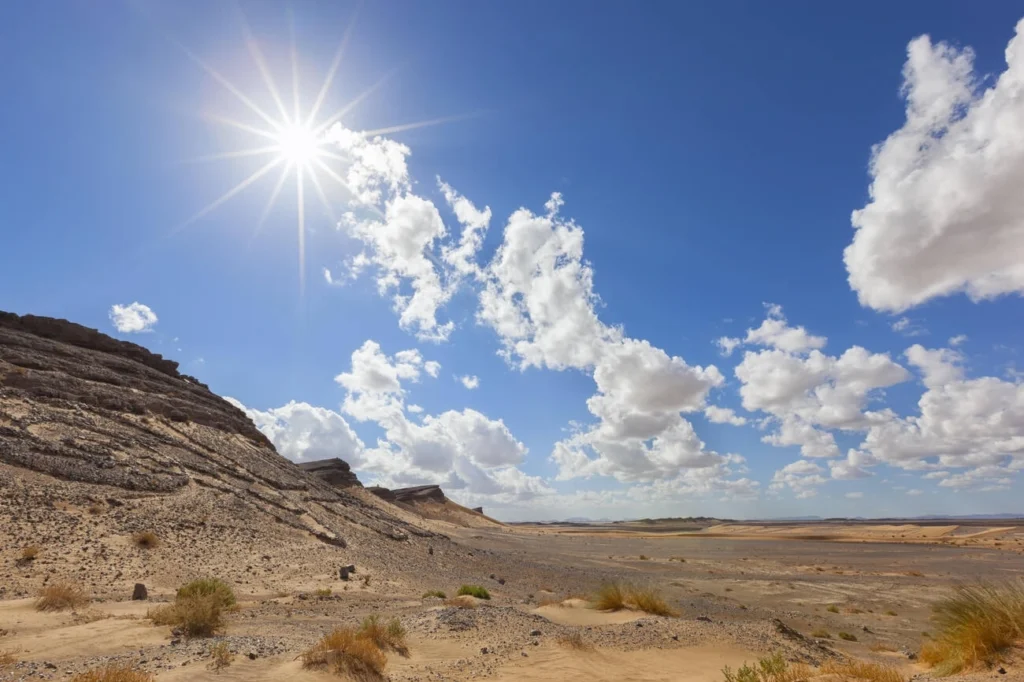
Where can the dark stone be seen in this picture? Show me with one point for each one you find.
(345, 571)
(501, 581)
(139, 593)
(252, 656)
(535, 633)
(333, 471)
(704, 619)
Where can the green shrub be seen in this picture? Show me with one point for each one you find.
(435, 593)
(474, 591)
(215, 588)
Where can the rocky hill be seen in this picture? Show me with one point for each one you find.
(430, 502)
(101, 439)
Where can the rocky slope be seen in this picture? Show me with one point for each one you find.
(99, 431)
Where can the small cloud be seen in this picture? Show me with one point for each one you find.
(415, 409)
(908, 327)
(132, 318)
(470, 382)
(723, 415)
(957, 340)
(432, 367)
(855, 495)
(915, 491)
(727, 345)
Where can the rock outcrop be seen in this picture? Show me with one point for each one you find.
(334, 471)
(382, 493)
(420, 493)
(117, 421)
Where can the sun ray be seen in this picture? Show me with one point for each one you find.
(230, 87)
(319, 130)
(302, 230)
(241, 126)
(261, 64)
(419, 124)
(295, 64)
(323, 198)
(329, 78)
(230, 193)
(241, 153)
(272, 199)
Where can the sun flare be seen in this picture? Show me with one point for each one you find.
(295, 140)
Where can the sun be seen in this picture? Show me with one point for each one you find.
(299, 144)
(294, 140)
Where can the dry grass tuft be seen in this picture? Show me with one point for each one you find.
(62, 595)
(846, 636)
(435, 593)
(220, 657)
(322, 592)
(821, 633)
(347, 652)
(977, 624)
(96, 508)
(30, 553)
(118, 672)
(774, 668)
(146, 540)
(462, 602)
(385, 636)
(574, 640)
(861, 671)
(7, 658)
(832, 608)
(615, 597)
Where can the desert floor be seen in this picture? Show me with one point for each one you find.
(734, 587)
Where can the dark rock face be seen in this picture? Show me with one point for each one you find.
(382, 493)
(478, 510)
(420, 493)
(84, 408)
(140, 593)
(334, 471)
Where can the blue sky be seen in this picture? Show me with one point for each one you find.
(709, 157)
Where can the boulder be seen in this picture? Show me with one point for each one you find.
(478, 510)
(140, 593)
(345, 571)
(420, 493)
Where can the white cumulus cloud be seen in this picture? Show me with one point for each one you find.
(470, 382)
(946, 214)
(132, 318)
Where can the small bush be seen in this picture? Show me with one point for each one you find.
(30, 553)
(195, 616)
(832, 608)
(347, 652)
(96, 508)
(890, 613)
(198, 608)
(435, 593)
(474, 591)
(220, 656)
(216, 588)
(846, 636)
(644, 557)
(60, 596)
(977, 624)
(115, 672)
(322, 592)
(146, 539)
(774, 668)
(821, 634)
(389, 636)
(574, 640)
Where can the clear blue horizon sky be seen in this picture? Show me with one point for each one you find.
(710, 155)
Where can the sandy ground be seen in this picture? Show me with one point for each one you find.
(730, 584)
